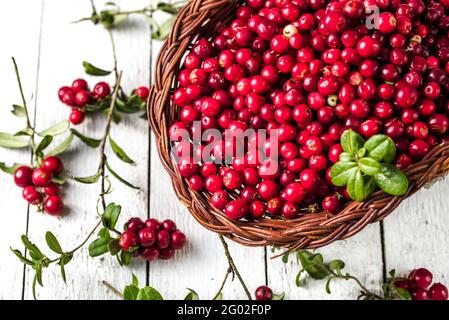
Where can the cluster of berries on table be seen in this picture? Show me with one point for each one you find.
(38, 187)
(78, 96)
(152, 239)
(309, 70)
(419, 284)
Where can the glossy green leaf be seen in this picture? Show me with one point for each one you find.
(162, 32)
(370, 185)
(62, 147)
(391, 180)
(8, 140)
(369, 166)
(403, 294)
(111, 215)
(336, 265)
(113, 247)
(192, 295)
(351, 142)
(131, 292)
(313, 264)
(9, 169)
(18, 111)
(119, 152)
(119, 178)
(351, 184)
(346, 157)
(32, 248)
(21, 257)
(341, 171)
(24, 132)
(92, 70)
(53, 242)
(91, 142)
(359, 186)
(381, 148)
(45, 142)
(280, 296)
(56, 129)
(99, 247)
(89, 179)
(149, 293)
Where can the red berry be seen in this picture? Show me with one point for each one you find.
(264, 293)
(150, 253)
(69, 97)
(331, 204)
(76, 116)
(169, 226)
(420, 294)
(134, 225)
(438, 291)
(163, 239)
(53, 205)
(52, 190)
(53, 164)
(236, 209)
(257, 209)
(167, 253)
(128, 240)
(290, 210)
(41, 177)
(419, 149)
(153, 224)
(147, 237)
(142, 92)
(421, 278)
(368, 47)
(196, 183)
(101, 90)
(22, 176)
(386, 22)
(82, 98)
(31, 195)
(438, 123)
(219, 199)
(178, 240)
(79, 84)
(62, 91)
(309, 179)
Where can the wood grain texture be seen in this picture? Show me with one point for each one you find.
(23, 44)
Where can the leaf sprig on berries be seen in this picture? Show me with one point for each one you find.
(366, 166)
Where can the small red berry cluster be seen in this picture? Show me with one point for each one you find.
(152, 239)
(38, 186)
(419, 284)
(308, 70)
(264, 293)
(78, 96)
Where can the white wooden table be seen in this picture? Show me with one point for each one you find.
(49, 50)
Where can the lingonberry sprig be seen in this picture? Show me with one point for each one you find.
(416, 286)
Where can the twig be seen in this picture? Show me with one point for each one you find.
(94, 9)
(233, 267)
(114, 53)
(114, 290)
(228, 271)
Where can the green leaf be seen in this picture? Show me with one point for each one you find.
(56, 129)
(351, 184)
(38, 268)
(62, 263)
(391, 180)
(45, 142)
(88, 180)
(313, 264)
(370, 185)
(351, 142)
(62, 270)
(93, 70)
(62, 147)
(91, 142)
(336, 265)
(369, 166)
(285, 257)
(34, 251)
(280, 296)
(346, 157)
(53, 243)
(403, 294)
(192, 295)
(328, 285)
(25, 132)
(125, 257)
(359, 185)
(21, 257)
(361, 153)
(111, 215)
(131, 292)
(381, 148)
(33, 287)
(341, 172)
(8, 140)
(119, 178)
(9, 170)
(149, 293)
(18, 111)
(162, 32)
(167, 7)
(119, 152)
(99, 247)
(113, 247)
(135, 281)
(104, 233)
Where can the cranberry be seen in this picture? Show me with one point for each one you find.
(153, 224)
(150, 253)
(419, 149)
(420, 294)
(178, 240)
(290, 210)
(53, 165)
(169, 226)
(386, 22)
(420, 130)
(219, 199)
(68, 96)
(62, 91)
(359, 108)
(203, 49)
(22, 176)
(406, 97)
(438, 292)
(128, 240)
(257, 209)
(79, 84)
(167, 253)
(421, 278)
(101, 90)
(134, 225)
(162, 239)
(31, 195)
(368, 47)
(53, 205)
(438, 123)
(76, 116)
(331, 204)
(264, 293)
(82, 98)
(41, 177)
(236, 209)
(309, 179)
(268, 189)
(147, 237)
(369, 128)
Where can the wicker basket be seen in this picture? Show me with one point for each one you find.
(311, 230)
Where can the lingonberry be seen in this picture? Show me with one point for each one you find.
(220, 199)
(334, 153)
(153, 224)
(257, 209)
(31, 195)
(290, 210)
(147, 237)
(264, 293)
(167, 253)
(52, 189)
(418, 149)
(331, 204)
(268, 189)
(128, 240)
(101, 90)
(22, 176)
(150, 253)
(368, 47)
(236, 209)
(162, 239)
(309, 179)
(41, 177)
(196, 183)
(82, 98)
(359, 108)
(53, 205)
(52, 164)
(76, 116)
(386, 22)
(134, 225)
(369, 128)
(438, 123)
(438, 291)
(178, 240)
(420, 294)
(79, 84)
(409, 116)
(420, 130)
(421, 278)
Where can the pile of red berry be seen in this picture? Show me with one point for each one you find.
(308, 70)
(419, 284)
(152, 239)
(78, 96)
(38, 186)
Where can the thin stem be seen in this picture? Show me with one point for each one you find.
(114, 290)
(94, 9)
(102, 165)
(87, 238)
(228, 271)
(114, 53)
(360, 284)
(16, 68)
(233, 267)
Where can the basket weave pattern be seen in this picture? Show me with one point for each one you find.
(311, 230)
